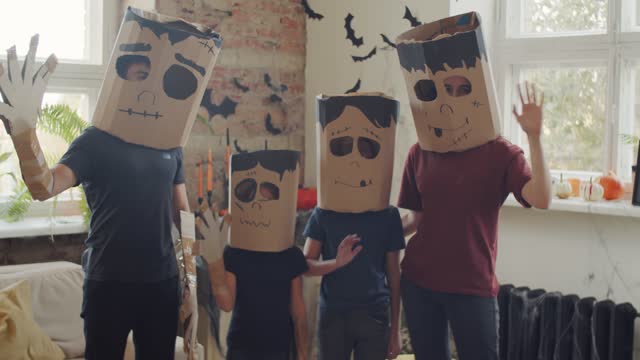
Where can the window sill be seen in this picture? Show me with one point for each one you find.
(42, 226)
(622, 208)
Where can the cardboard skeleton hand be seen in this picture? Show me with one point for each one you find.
(23, 89)
(215, 231)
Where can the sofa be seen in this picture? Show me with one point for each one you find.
(56, 294)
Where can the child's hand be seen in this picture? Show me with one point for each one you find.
(395, 345)
(348, 249)
(531, 118)
(215, 231)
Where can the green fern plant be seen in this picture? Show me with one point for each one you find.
(58, 120)
(632, 140)
(4, 157)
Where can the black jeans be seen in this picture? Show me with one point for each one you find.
(365, 332)
(111, 309)
(244, 354)
(473, 321)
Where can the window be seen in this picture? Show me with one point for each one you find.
(585, 56)
(81, 34)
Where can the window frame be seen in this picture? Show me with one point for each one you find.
(620, 44)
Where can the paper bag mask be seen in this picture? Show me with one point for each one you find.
(263, 193)
(159, 70)
(450, 86)
(356, 139)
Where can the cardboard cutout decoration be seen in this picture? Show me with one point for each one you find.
(159, 70)
(262, 191)
(450, 86)
(189, 304)
(356, 140)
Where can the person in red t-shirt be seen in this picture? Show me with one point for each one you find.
(455, 180)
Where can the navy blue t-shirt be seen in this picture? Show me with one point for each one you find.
(361, 283)
(261, 319)
(129, 189)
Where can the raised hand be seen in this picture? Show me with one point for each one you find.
(348, 249)
(531, 117)
(215, 231)
(23, 89)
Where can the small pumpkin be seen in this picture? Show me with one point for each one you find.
(307, 198)
(592, 191)
(613, 188)
(563, 189)
(575, 186)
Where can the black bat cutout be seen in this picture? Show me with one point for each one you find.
(267, 80)
(238, 149)
(309, 11)
(224, 109)
(355, 88)
(387, 41)
(237, 84)
(412, 19)
(269, 126)
(274, 99)
(351, 34)
(366, 57)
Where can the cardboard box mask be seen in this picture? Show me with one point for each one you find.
(356, 139)
(450, 86)
(159, 70)
(263, 193)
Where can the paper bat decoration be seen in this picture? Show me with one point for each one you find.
(267, 80)
(275, 99)
(309, 11)
(355, 88)
(409, 16)
(351, 34)
(366, 57)
(387, 41)
(224, 109)
(237, 84)
(269, 126)
(238, 149)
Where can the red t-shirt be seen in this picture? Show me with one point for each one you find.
(459, 195)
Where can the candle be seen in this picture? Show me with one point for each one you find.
(210, 173)
(227, 155)
(199, 180)
(266, 147)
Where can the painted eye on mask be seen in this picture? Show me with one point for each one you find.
(179, 83)
(269, 191)
(426, 90)
(245, 191)
(457, 86)
(368, 148)
(133, 67)
(341, 146)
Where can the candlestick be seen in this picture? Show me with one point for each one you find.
(199, 166)
(210, 173)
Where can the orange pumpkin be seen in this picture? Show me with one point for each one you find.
(613, 188)
(307, 198)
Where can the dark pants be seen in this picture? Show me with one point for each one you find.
(429, 314)
(112, 309)
(243, 354)
(363, 332)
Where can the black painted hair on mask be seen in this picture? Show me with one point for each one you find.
(177, 30)
(379, 110)
(463, 49)
(273, 160)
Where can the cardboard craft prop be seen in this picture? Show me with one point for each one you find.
(449, 82)
(189, 305)
(159, 70)
(356, 140)
(22, 89)
(262, 191)
(215, 233)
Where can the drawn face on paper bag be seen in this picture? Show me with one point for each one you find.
(449, 84)
(356, 140)
(263, 193)
(157, 75)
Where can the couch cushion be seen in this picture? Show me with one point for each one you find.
(56, 294)
(20, 336)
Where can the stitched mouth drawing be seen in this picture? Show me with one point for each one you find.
(257, 224)
(459, 139)
(438, 131)
(363, 183)
(144, 114)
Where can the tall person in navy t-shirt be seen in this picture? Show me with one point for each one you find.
(455, 180)
(357, 233)
(131, 168)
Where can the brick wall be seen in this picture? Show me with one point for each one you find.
(260, 72)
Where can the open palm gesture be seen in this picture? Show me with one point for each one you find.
(215, 230)
(531, 117)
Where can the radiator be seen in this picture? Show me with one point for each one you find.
(540, 325)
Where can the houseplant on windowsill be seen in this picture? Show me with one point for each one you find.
(634, 141)
(60, 121)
